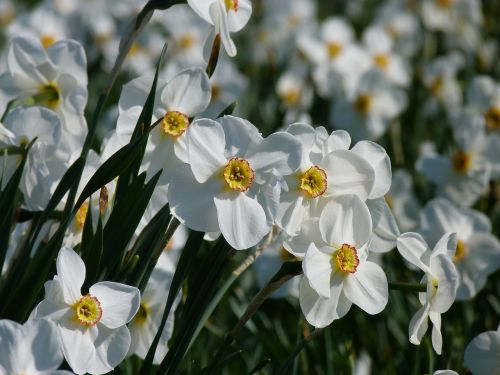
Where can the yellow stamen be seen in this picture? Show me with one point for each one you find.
(135, 49)
(492, 118)
(346, 258)
(88, 310)
(175, 123)
(363, 103)
(142, 314)
(291, 97)
(381, 60)
(47, 40)
(313, 182)
(49, 95)
(186, 41)
(462, 162)
(334, 49)
(231, 5)
(460, 252)
(238, 174)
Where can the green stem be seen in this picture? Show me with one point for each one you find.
(408, 287)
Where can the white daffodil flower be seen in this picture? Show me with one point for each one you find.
(55, 77)
(337, 272)
(233, 180)
(145, 325)
(176, 103)
(379, 45)
(448, 15)
(46, 162)
(227, 16)
(32, 348)
(328, 169)
(465, 175)
(92, 327)
(366, 113)
(441, 278)
(482, 355)
(478, 250)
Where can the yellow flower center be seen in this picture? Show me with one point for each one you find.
(186, 41)
(381, 60)
(436, 86)
(291, 97)
(462, 162)
(390, 201)
(313, 182)
(334, 49)
(346, 258)
(460, 252)
(444, 3)
(492, 118)
(135, 49)
(88, 310)
(286, 256)
(142, 314)
(238, 174)
(81, 215)
(174, 123)
(363, 103)
(231, 5)
(47, 40)
(49, 95)
(216, 90)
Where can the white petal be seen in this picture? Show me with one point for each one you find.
(437, 339)
(78, 346)
(385, 228)
(309, 232)
(317, 268)
(367, 287)
(206, 143)
(346, 220)
(339, 140)
(42, 337)
(237, 20)
(111, 348)
(414, 249)
(11, 341)
(320, 311)
(376, 156)
(418, 324)
(71, 273)
(447, 245)
(444, 270)
(119, 302)
(241, 135)
(188, 92)
(242, 220)
(482, 355)
(218, 15)
(201, 7)
(290, 212)
(348, 173)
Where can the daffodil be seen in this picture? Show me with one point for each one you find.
(482, 355)
(233, 180)
(441, 279)
(92, 326)
(336, 270)
(32, 348)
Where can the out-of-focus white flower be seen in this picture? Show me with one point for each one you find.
(55, 77)
(448, 15)
(92, 327)
(379, 46)
(32, 348)
(465, 175)
(294, 88)
(482, 355)
(227, 16)
(366, 113)
(478, 251)
(145, 325)
(441, 278)
(445, 372)
(483, 98)
(336, 271)
(233, 181)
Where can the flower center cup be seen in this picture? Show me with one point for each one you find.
(174, 123)
(88, 311)
(49, 95)
(381, 60)
(333, 49)
(186, 41)
(238, 174)
(47, 40)
(436, 86)
(363, 103)
(444, 3)
(346, 259)
(313, 182)
(142, 314)
(492, 118)
(460, 252)
(462, 162)
(231, 5)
